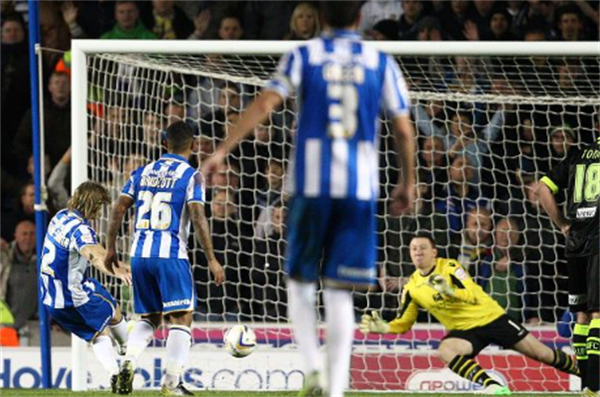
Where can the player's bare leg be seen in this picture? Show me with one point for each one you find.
(179, 342)
(455, 353)
(118, 330)
(141, 335)
(536, 350)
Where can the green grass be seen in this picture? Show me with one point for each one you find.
(40, 392)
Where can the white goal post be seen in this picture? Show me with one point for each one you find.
(128, 51)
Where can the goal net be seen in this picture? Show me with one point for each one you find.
(487, 128)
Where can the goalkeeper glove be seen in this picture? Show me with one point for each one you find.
(440, 284)
(373, 323)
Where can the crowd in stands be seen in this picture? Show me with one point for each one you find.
(478, 162)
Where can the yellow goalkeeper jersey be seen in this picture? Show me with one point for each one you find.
(470, 306)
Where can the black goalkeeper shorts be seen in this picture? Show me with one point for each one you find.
(503, 332)
(584, 284)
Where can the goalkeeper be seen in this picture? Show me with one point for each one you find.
(473, 318)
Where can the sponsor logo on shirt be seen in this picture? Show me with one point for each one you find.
(460, 274)
(586, 212)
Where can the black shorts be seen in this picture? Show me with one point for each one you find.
(584, 284)
(503, 332)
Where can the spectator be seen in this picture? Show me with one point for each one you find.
(545, 264)
(518, 11)
(175, 109)
(167, 21)
(534, 34)
(111, 142)
(18, 8)
(24, 210)
(460, 193)
(228, 176)
(58, 180)
(570, 78)
(304, 23)
(230, 99)
(570, 26)
(499, 26)
(434, 164)
(207, 146)
(15, 85)
(481, 14)
(462, 138)
(386, 29)
(88, 19)
(54, 33)
(229, 299)
(267, 20)
(267, 274)
(57, 122)
(15, 77)
(454, 17)
(412, 11)
(561, 140)
(589, 9)
(374, 11)
(127, 24)
(541, 14)
(153, 124)
(501, 274)
(476, 238)
(201, 25)
(19, 276)
(271, 195)
(532, 69)
(230, 28)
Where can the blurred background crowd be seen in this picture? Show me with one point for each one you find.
(478, 163)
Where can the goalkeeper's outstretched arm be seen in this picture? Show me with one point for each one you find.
(375, 324)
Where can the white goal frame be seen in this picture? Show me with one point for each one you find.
(80, 49)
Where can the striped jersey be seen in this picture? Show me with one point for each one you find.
(342, 86)
(63, 276)
(161, 191)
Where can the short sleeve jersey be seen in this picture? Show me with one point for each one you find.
(470, 306)
(342, 86)
(161, 191)
(64, 279)
(579, 175)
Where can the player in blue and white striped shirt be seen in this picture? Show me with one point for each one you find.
(167, 194)
(77, 302)
(342, 85)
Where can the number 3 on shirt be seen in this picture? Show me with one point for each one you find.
(343, 98)
(159, 208)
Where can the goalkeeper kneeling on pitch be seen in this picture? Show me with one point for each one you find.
(474, 320)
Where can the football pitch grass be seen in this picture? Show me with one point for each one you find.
(209, 393)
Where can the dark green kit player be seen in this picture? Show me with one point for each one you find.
(579, 175)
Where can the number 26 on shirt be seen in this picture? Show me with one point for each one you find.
(155, 211)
